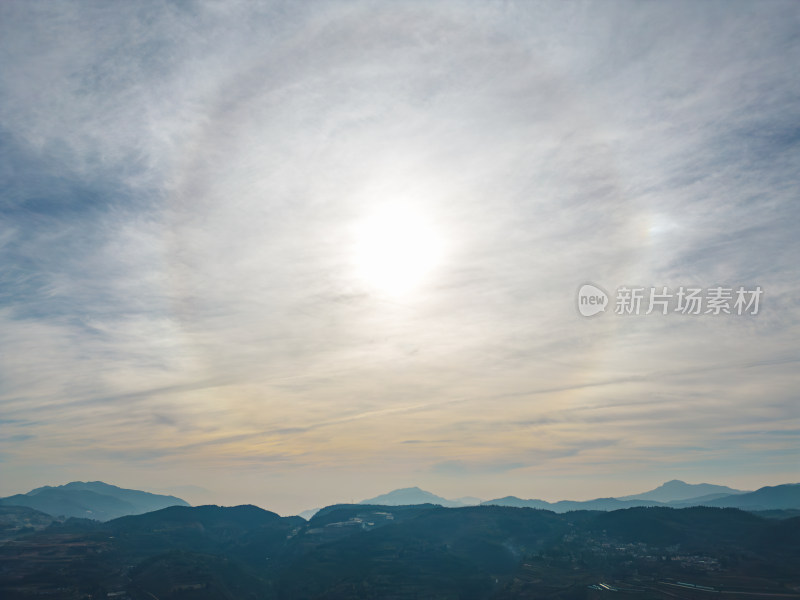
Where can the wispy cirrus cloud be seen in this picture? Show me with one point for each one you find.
(182, 184)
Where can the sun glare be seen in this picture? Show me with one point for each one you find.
(396, 251)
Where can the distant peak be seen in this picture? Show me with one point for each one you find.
(675, 482)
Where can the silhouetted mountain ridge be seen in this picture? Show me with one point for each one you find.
(786, 496)
(675, 494)
(766, 498)
(91, 500)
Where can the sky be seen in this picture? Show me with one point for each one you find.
(292, 254)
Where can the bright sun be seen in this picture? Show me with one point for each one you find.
(396, 250)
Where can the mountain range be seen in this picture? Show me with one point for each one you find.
(370, 552)
(674, 494)
(102, 502)
(385, 547)
(91, 500)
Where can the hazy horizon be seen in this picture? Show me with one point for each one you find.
(199, 496)
(307, 253)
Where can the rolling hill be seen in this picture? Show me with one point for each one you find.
(371, 552)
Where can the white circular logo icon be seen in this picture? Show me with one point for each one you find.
(591, 300)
